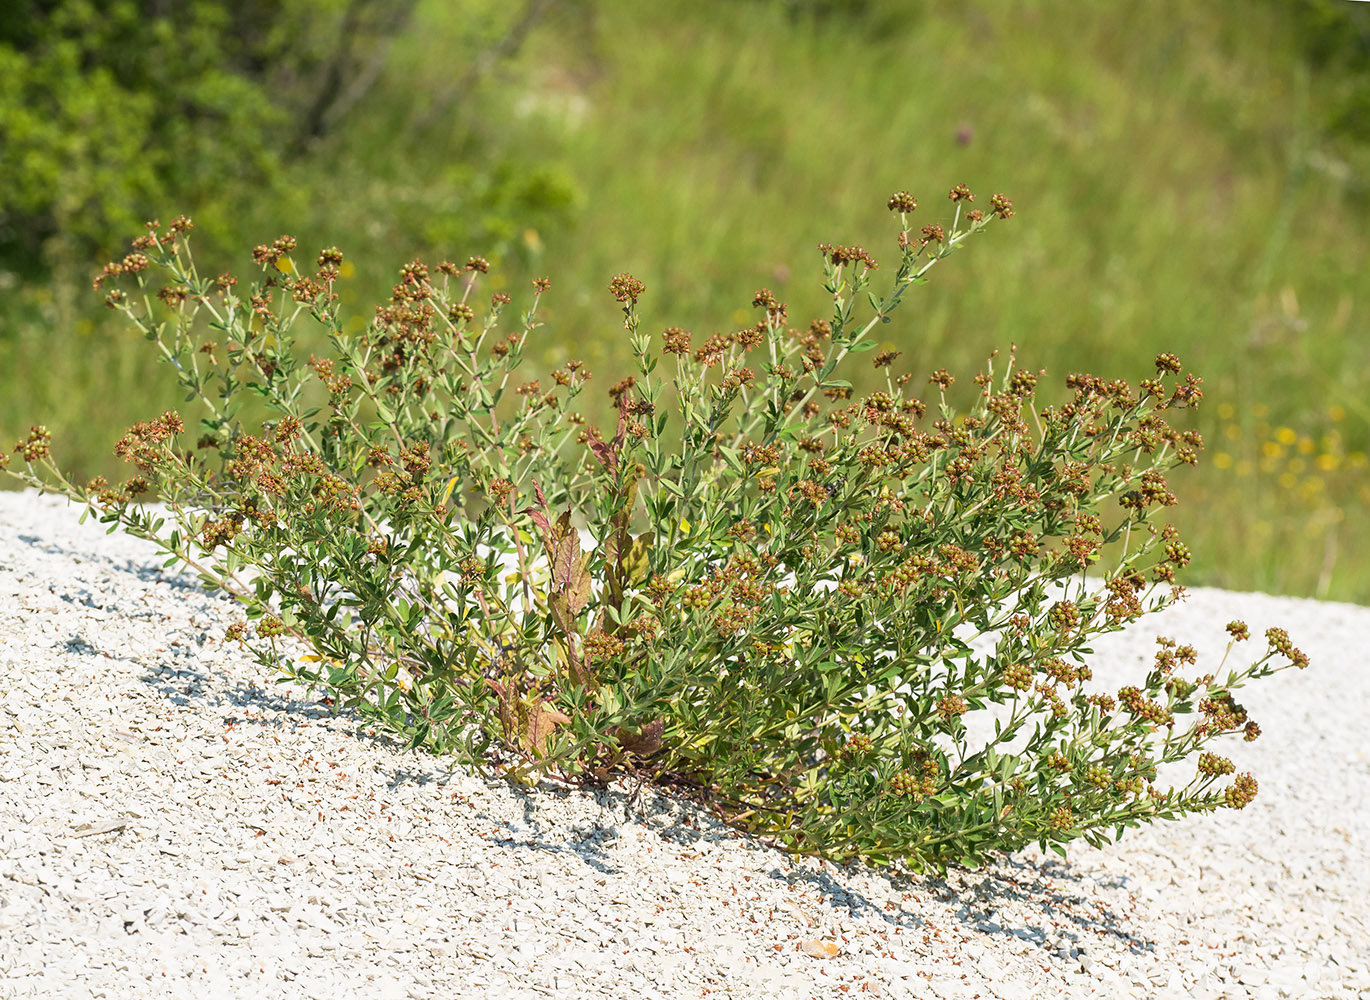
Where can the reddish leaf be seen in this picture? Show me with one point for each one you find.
(570, 578)
(644, 743)
(561, 614)
(605, 454)
(527, 720)
(613, 567)
(541, 726)
(539, 518)
(508, 710)
(608, 453)
(539, 513)
(578, 594)
(582, 674)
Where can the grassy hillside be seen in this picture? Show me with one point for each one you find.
(1182, 176)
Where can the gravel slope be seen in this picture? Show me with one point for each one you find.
(173, 824)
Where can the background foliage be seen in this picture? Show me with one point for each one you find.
(1189, 178)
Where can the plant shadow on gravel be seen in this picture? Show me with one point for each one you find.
(982, 892)
(146, 572)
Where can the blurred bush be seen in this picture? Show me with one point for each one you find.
(110, 109)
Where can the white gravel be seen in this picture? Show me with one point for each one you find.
(173, 824)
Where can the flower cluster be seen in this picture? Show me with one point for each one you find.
(1279, 641)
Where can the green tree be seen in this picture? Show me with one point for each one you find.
(110, 110)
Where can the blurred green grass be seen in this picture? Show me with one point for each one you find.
(1177, 183)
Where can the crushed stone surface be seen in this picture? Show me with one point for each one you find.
(173, 823)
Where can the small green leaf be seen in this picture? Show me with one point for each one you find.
(729, 456)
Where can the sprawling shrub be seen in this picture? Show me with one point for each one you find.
(858, 626)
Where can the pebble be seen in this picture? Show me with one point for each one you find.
(173, 823)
